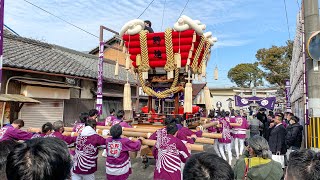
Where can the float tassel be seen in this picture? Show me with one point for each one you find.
(128, 61)
(169, 74)
(116, 69)
(127, 98)
(190, 55)
(145, 75)
(187, 105)
(207, 98)
(192, 47)
(138, 60)
(216, 73)
(177, 59)
(194, 38)
(204, 69)
(188, 61)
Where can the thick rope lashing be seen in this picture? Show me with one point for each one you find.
(169, 67)
(204, 57)
(194, 65)
(144, 66)
(169, 50)
(173, 89)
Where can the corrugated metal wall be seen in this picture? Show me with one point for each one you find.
(35, 115)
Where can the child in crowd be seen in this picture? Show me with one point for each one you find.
(118, 165)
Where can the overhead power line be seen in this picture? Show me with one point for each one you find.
(184, 8)
(62, 19)
(285, 8)
(164, 8)
(145, 9)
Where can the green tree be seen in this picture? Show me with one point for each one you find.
(276, 62)
(246, 75)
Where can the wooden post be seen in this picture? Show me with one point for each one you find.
(176, 103)
(138, 98)
(162, 105)
(149, 103)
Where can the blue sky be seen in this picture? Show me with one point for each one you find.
(241, 26)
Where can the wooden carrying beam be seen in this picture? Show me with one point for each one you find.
(207, 125)
(149, 142)
(146, 133)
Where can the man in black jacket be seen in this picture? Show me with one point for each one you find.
(294, 134)
(277, 138)
(261, 116)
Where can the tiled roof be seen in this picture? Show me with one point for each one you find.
(25, 53)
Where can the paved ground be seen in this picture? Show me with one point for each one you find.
(138, 172)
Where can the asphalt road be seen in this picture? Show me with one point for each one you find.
(138, 172)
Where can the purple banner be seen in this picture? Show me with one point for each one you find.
(100, 79)
(287, 91)
(1, 37)
(239, 101)
(267, 102)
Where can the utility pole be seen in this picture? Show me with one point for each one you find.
(99, 103)
(311, 24)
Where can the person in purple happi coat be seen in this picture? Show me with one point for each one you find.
(58, 128)
(93, 115)
(180, 134)
(46, 129)
(118, 164)
(86, 152)
(12, 131)
(119, 120)
(239, 132)
(184, 133)
(170, 153)
(214, 130)
(225, 141)
(186, 130)
(80, 124)
(108, 121)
